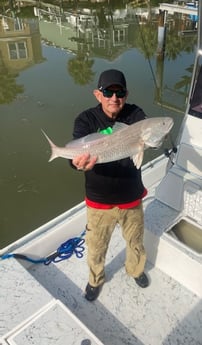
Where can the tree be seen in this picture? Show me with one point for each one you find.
(80, 69)
(8, 87)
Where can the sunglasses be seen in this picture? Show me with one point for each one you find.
(109, 93)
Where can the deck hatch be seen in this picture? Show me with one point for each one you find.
(53, 326)
(188, 234)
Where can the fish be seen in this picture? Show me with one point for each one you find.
(124, 141)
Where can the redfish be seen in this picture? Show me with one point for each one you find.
(124, 141)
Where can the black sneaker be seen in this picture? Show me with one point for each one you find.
(142, 280)
(92, 292)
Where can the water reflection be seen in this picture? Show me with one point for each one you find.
(87, 33)
(50, 57)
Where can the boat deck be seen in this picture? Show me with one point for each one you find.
(164, 313)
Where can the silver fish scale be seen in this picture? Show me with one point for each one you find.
(110, 148)
(125, 148)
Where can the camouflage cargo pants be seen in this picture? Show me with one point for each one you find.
(100, 226)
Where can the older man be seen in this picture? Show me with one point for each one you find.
(114, 190)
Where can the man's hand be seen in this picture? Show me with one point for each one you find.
(84, 162)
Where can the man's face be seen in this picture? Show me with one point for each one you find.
(112, 99)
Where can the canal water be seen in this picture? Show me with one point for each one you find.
(50, 61)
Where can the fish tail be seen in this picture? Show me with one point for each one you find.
(53, 147)
(53, 156)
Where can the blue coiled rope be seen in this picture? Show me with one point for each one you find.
(65, 251)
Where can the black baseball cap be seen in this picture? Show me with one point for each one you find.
(111, 77)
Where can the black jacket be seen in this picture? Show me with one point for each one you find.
(115, 182)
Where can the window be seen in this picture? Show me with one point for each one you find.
(17, 50)
(18, 24)
(119, 36)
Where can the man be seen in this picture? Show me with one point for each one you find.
(113, 190)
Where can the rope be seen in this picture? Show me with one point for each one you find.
(65, 251)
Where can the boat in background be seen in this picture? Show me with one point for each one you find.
(45, 304)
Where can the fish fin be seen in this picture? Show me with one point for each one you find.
(118, 126)
(50, 141)
(53, 156)
(138, 158)
(94, 136)
(52, 146)
(85, 140)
